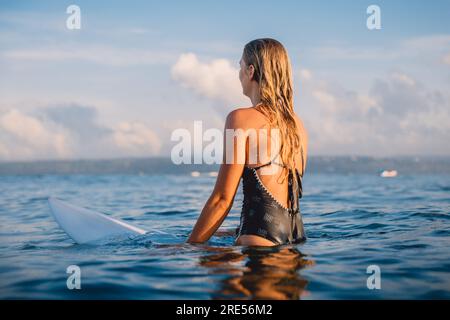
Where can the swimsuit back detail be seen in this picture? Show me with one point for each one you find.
(263, 215)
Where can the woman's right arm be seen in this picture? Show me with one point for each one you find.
(221, 199)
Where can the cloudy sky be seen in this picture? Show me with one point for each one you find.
(134, 72)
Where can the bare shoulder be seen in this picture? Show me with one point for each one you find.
(240, 118)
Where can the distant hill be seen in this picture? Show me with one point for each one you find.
(316, 164)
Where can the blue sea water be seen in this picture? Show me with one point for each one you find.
(352, 221)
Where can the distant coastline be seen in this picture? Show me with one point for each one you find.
(405, 165)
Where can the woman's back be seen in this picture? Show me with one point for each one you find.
(272, 181)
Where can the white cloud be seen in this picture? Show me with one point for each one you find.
(427, 46)
(430, 42)
(95, 54)
(141, 31)
(305, 74)
(403, 78)
(326, 99)
(216, 80)
(398, 115)
(71, 131)
(137, 139)
(23, 136)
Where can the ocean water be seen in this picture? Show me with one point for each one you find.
(352, 221)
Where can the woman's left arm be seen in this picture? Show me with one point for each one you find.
(221, 199)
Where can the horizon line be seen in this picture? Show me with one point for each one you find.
(351, 156)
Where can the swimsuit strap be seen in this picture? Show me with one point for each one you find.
(282, 165)
(267, 164)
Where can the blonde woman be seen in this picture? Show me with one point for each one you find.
(270, 211)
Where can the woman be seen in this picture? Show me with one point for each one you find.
(270, 212)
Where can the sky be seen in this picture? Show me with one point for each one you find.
(138, 70)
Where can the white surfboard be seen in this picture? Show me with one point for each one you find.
(86, 226)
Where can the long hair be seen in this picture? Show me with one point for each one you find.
(274, 76)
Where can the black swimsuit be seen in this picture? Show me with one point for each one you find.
(262, 215)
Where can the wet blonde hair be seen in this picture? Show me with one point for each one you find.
(274, 76)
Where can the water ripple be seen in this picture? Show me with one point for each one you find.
(351, 221)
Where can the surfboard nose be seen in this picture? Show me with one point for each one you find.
(84, 225)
